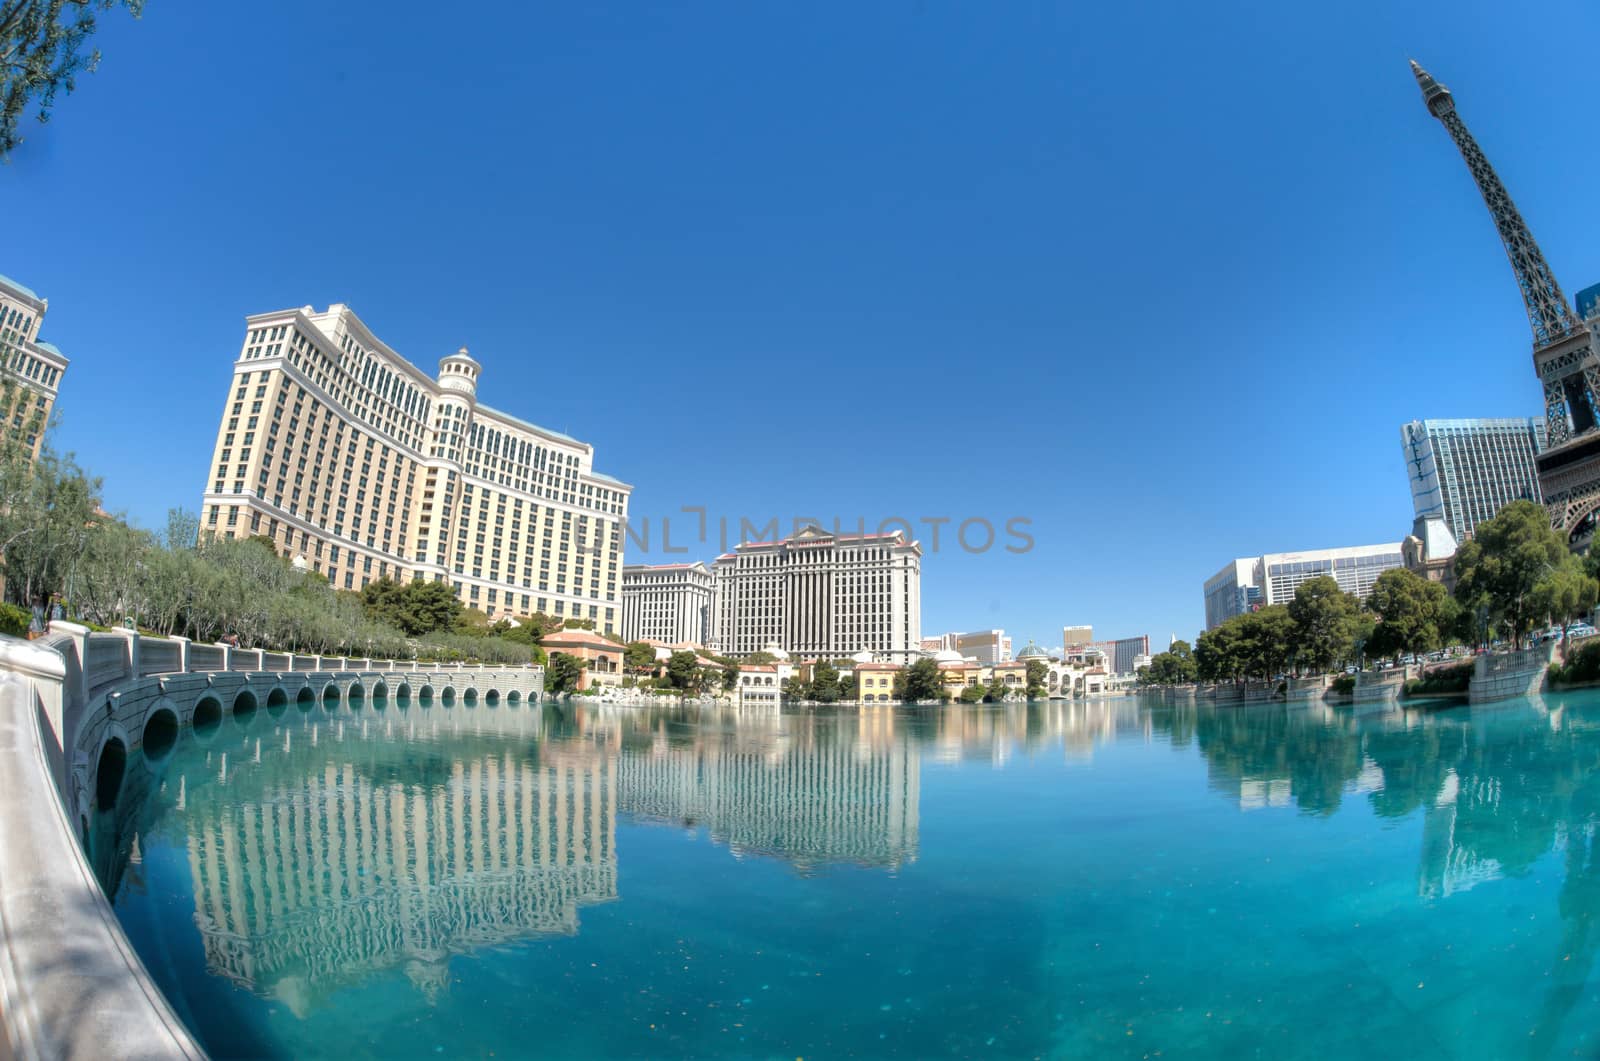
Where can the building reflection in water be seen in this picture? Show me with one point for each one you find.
(1498, 789)
(323, 850)
(329, 856)
(808, 789)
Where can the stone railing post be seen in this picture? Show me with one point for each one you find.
(76, 685)
(227, 656)
(132, 637)
(183, 652)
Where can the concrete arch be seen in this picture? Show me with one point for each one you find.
(470, 696)
(448, 696)
(491, 697)
(163, 703)
(425, 693)
(356, 693)
(110, 765)
(330, 695)
(513, 697)
(380, 690)
(277, 700)
(244, 707)
(207, 718)
(306, 698)
(402, 691)
(160, 733)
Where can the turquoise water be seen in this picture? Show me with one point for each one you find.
(1102, 880)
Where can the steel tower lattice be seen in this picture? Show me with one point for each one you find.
(1563, 345)
(1548, 311)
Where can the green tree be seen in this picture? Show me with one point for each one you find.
(41, 56)
(683, 671)
(1038, 673)
(1175, 666)
(759, 659)
(1499, 570)
(849, 688)
(1325, 624)
(1565, 592)
(730, 675)
(995, 692)
(971, 694)
(639, 656)
(824, 685)
(564, 674)
(419, 608)
(1414, 614)
(922, 681)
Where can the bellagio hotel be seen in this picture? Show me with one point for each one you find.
(359, 466)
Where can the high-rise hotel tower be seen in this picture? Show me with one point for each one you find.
(360, 466)
(821, 594)
(30, 369)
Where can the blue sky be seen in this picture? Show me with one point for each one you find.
(1163, 279)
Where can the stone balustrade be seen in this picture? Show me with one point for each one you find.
(73, 705)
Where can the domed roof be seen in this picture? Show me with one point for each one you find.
(947, 655)
(864, 656)
(1032, 651)
(775, 651)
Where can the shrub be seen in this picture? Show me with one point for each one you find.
(14, 620)
(1583, 666)
(1344, 684)
(1441, 680)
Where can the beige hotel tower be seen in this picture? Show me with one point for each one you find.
(360, 466)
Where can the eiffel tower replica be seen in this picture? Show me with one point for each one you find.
(1563, 345)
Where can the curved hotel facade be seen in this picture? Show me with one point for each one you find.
(358, 464)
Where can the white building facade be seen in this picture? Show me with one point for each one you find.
(822, 594)
(30, 369)
(350, 458)
(1465, 471)
(1253, 582)
(669, 603)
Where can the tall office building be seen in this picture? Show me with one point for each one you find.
(347, 456)
(1232, 591)
(1464, 471)
(30, 369)
(670, 603)
(1076, 637)
(1252, 582)
(986, 646)
(1123, 655)
(1355, 568)
(823, 594)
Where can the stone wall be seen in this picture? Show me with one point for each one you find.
(1508, 675)
(73, 706)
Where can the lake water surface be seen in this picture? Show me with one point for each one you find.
(1111, 879)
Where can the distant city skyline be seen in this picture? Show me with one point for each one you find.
(657, 261)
